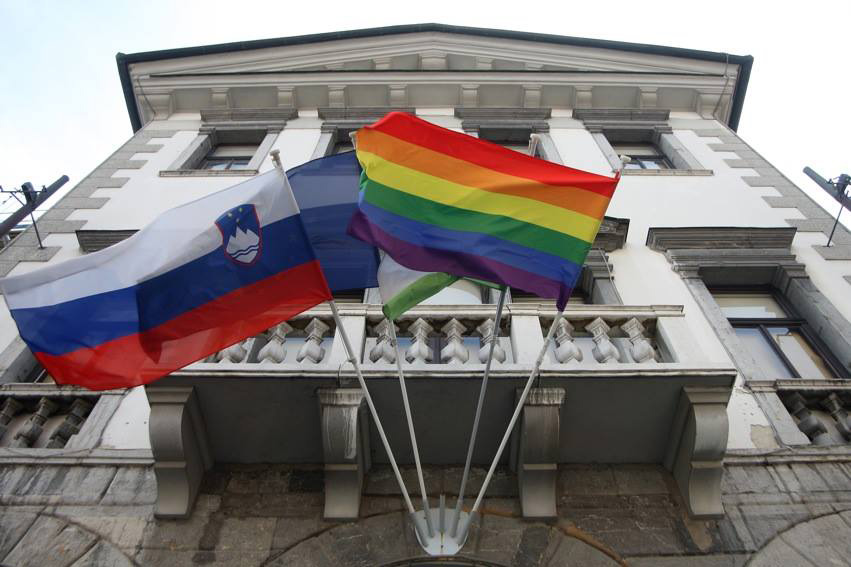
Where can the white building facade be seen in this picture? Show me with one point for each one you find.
(693, 409)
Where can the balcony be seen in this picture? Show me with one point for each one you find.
(621, 384)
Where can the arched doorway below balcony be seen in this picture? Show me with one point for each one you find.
(388, 540)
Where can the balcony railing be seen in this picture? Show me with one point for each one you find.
(446, 338)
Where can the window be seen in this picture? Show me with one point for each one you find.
(229, 156)
(224, 150)
(779, 341)
(642, 156)
(643, 135)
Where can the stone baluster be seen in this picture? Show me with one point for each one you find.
(486, 331)
(808, 423)
(604, 350)
(566, 349)
(72, 424)
(834, 407)
(30, 432)
(236, 352)
(384, 350)
(641, 349)
(455, 351)
(312, 347)
(275, 349)
(10, 409)
(419, 351)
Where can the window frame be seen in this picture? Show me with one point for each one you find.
(231, 126)
(792, 321)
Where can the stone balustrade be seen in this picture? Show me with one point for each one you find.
(452, 337)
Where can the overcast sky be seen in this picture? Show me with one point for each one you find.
(62, 110)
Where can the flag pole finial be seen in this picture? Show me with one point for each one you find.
(276, 159)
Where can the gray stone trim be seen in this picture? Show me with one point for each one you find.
(700, 238)
(791, 196)
(621, 114)
(17, 362)
(668, 172)
(253, 117)
(507, 126)
(500, 114)
(25, 248)
(366, 114)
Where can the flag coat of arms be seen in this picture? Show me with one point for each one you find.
(198, 279)
(441, 201)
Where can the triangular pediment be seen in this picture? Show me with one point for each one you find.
(430, 51)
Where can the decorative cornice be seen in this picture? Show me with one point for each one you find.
(211, 116)
(612, 234)
(367, 113)
(621, 115)
(505, 124)
(499, 114)
(719, 238)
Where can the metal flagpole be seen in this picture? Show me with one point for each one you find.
(350, 353)
(353, 359)
(511, 424)
(495, 334)
(426, 511)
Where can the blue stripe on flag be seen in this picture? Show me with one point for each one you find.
(326, 190)
(138, 308)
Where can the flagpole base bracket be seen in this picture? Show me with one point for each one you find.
(441, 543)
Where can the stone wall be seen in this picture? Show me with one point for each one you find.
(789, 514)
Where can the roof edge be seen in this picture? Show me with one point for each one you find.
(124, 61)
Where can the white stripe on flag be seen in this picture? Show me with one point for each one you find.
(176, 237)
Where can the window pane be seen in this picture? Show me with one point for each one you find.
(341, 147)
(241, 163)
(762, 353)
(795, 347)
(231, 150)
(749, 305)
(215, 164)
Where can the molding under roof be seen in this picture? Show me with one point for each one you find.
(125, 60)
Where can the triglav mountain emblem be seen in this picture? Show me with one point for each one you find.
(241, 235)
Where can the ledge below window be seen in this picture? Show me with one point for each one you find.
(668, 172)
(208, 172)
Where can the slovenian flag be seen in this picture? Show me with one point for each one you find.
(198, 279)
(441, 201)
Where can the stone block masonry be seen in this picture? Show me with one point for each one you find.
(775, 514)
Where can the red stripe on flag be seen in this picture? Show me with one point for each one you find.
(142, 358)
(461, 146)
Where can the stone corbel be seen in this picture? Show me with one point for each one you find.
(180, 448)
(696, 449)
(536, 453)
(345, 445)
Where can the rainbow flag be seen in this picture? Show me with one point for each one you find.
(442, 201)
